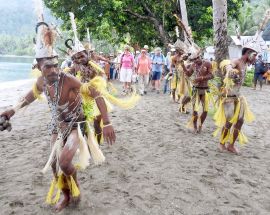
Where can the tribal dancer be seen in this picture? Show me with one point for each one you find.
(233, 108)
(181, 85)
(189, 47)
(201, 71)
(69, 128)
(85, 69)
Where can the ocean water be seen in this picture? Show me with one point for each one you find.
(15, 68)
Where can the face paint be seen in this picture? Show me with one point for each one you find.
(252, 57)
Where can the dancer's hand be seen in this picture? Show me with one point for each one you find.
(8, 113)
(108, 134)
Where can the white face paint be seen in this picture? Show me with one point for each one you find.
(252, 57)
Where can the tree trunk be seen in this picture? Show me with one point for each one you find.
(184, 17)
(163, 34)
(183, 8)
(220, 30)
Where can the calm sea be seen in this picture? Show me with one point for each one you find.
(15, 68)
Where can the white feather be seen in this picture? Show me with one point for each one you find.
(96, 153)
(177, 31)
(56, 150)
(88, 37)
(73, 24)
(84, 155)
(39, 9)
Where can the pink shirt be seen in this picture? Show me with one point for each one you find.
(144, 65)
(127, 61)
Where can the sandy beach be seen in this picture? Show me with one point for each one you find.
(156, 167)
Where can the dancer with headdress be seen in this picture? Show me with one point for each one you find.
(179, 84)
(88, 71)
(233, 108)
(201, 72)
(184, 86)
(69, 129)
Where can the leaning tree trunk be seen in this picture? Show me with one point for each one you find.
(220, 30)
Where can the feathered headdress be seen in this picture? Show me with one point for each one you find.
(76, 45)
(188, 45)
(46, 35)
(38, 5)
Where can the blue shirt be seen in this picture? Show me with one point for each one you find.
(155, 60)
(259, 67)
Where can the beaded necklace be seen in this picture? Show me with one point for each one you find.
(57, 110)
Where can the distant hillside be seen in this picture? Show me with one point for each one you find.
(18, 17)
(17, 26)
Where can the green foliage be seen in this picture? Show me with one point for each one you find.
(16, 45)
(17, 27)
(249, 78)
(111, 20)
(245, 22)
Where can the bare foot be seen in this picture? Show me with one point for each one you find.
(232, 149)
(183, 110)
(63, 203)
(222, 147)
(195, 130)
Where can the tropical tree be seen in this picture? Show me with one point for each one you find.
(183, 9)
(245, 24)
(150, 22)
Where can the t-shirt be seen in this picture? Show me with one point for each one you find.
(144, 65)
(156, 59)
(127, 61)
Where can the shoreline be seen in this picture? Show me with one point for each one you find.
(17, 56)
(12, 91)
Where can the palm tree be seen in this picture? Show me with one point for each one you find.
(259, 9)
(245, 24)
(220, 29)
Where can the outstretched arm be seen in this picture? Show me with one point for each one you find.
(26, 100)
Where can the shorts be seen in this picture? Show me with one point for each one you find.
(156, 76)
(125, 75)
(258, 77)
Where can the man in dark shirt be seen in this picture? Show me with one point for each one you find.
(260, 69)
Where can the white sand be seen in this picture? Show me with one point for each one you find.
(156, 167)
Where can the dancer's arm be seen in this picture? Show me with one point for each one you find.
(25, 100)
(108, 131)
(188, 70)
(208, 75)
